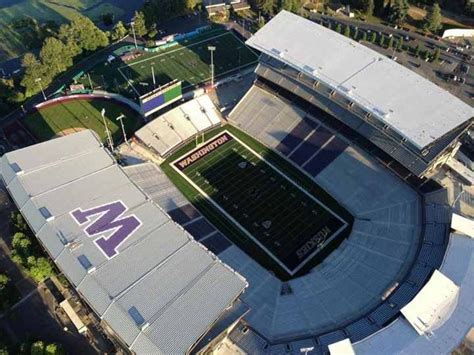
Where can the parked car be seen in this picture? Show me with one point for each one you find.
(465, 68)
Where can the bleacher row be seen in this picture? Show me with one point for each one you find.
(154, 183)
(299, 147)
(168, 131)
(353, 116)
(296, 135)
(198, 226)
(430, 257)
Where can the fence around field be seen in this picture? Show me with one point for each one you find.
(97, 94)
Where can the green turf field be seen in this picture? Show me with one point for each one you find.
(264, 204)
(16, 39)
(189, 61)
(70, 116)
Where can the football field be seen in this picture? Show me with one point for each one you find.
(188, 61)
(283, 219)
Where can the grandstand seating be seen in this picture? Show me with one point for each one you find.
(157, 187)
(398, 238)
(393, 227)
(168, 131)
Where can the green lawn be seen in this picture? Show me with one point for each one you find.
(189, 62)
(78, 114)
(233, 231)
(16, 40)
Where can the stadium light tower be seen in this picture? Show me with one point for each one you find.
(120, 118)
(109, 138)
(38, 80)
(132, 24)
(212, 49)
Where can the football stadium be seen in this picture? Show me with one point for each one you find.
(306, 220)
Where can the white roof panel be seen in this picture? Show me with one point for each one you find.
(413, 106)
(156, 271)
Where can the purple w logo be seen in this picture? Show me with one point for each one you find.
(108, 221)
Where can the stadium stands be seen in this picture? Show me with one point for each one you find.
(168, 131)
(394, 227)
(154, 183)
(148, 280)
(361, 89)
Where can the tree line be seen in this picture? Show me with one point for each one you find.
(58, 52)
(26, 251)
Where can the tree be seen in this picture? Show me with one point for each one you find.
(433, 19)
(139, 24)
(399, 11)
(400, 44)
(286, 5)
(55, 57)
(18, 222)
(387, 9)
(417, 51)
(3, 349)
(265, 6)
(436, 55)
(373, 37)
(338, 28)
(368, 7)
(68, 37)
(426, 55)
(54, 349)
(37, 348)
(4, 280)
(382, 40)
(33, 71)
(5, 298)
(119, 31)
(190, 4)
(390, 42)
(39, 268)
(108, 18)
(347, 31)
(364, 37)
(87, 35)
(378, 7)
(356, 34)
(22, 247)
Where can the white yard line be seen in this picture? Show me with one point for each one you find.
(175, 50)
(231, 218)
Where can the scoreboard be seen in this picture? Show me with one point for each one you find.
(161, 97)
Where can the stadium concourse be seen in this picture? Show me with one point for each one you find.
(118, 248)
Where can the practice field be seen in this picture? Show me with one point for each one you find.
(74, 115)
(189, 61)
(286, 221)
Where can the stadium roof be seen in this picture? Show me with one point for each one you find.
(413, 106)
(159, 290)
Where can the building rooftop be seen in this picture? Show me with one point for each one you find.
(413, 106)
(148, 279)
